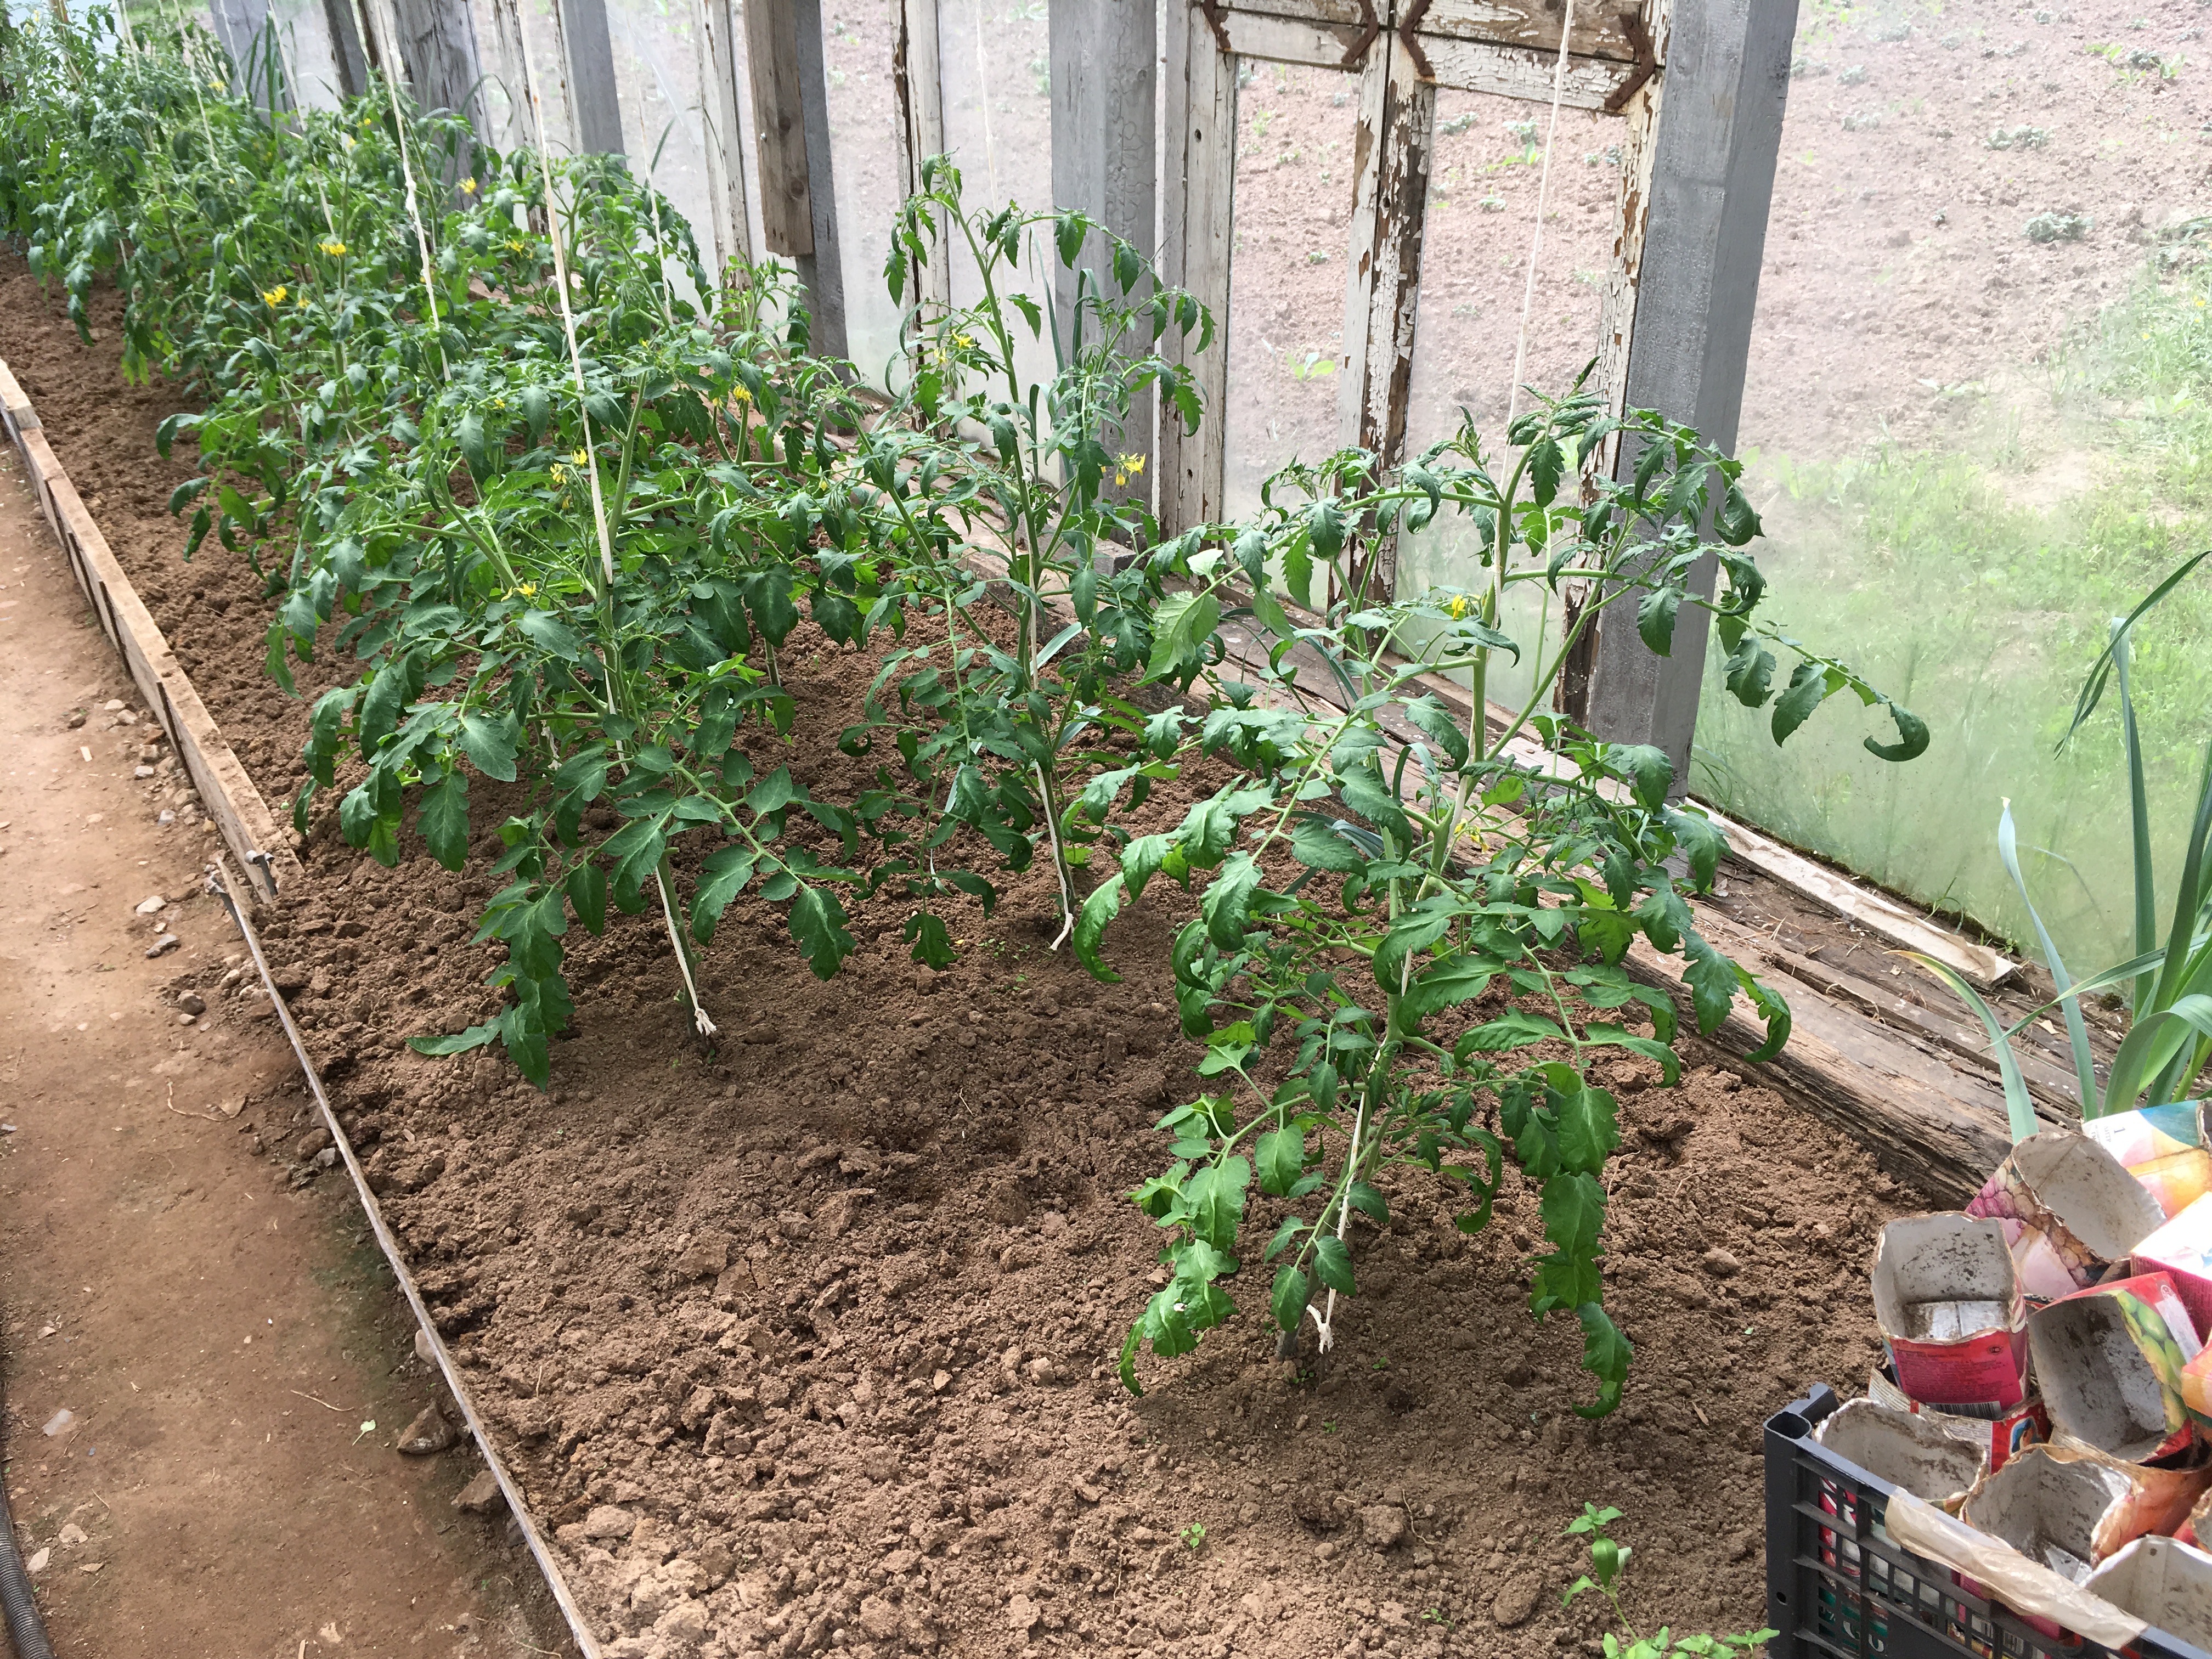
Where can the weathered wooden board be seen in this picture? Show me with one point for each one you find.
(779, 123)
(239, 813)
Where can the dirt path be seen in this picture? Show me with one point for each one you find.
(195, 1314)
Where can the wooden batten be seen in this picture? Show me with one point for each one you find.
(779, 120)
(239, 813)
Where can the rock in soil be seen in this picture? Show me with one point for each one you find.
(481, 1496)
(427, 1435)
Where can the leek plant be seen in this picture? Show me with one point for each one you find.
(2168, 981)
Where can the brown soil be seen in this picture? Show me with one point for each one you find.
(782, 1308)
(176, 1296)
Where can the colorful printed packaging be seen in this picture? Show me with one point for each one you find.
(2182, 1249)
(1947, 1301)
(2109, 1362)
(2161, 1581)
(1896, 1444)
(2072, 1510)
(1996, 1440)
(2070, 1210)
(2163, 1147)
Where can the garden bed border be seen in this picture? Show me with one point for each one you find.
(243, 817)
(225, 788)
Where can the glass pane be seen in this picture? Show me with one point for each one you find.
(1975, 423)
(995, 66)
(1290, 228)
(857, 38)
(1475, 269)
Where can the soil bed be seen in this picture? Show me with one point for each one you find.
(815, 1334)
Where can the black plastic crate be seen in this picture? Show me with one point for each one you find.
(1837, 1587)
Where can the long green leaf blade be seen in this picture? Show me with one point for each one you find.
(2077, 1032)
(2019, 1109)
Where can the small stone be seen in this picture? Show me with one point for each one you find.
(312, 1142)
(1514, 1603)
(75, 719)
(427, 1435)
(704, 1258)
(192, 1003)
(183, 1020)
(327, 1158)
(606, 1521)
(481, 1496)
(1720, 1264)
(1382, 1525)
(423, 1351)
(879, 1619)
(71, 1535)
(1022, 1613)
(151, 903)
(39, 1558)
(142, 771)
(163, 946)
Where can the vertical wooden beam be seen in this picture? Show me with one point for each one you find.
(724, 146)
(594, 111)
(1105, 158)
(918, 84)
(1200, 174)
(822, 272)
(1719, 130)
(779, 120)
(437, 42)
(345, 48)
(552, 65)
(1392, 149)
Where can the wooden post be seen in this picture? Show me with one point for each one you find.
(345, 48)
(1200, 170)
(1105, 156)
(1397, 125)
(1718, 131)
(918, 83)
(823, 271)
(772, 62)
(725, 148)
(799, 202)
(593, 109)
(437, 43)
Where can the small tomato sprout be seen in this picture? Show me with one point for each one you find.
(1194, 1536)
(1608, 1560)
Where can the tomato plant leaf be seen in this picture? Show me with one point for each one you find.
(1287, 1300)
(817, 922)
(722, 876)
(1281, 1154)
(1332, 1264)
(444, 819)
(489, 746)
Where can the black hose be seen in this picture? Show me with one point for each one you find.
(27, 1630)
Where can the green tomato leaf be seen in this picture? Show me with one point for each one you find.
(444, 820)
(1332, 1264)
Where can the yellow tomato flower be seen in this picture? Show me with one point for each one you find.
(1457, 606)
(334, 249)
(527, 589)
(560, 473)
(1132, 464)
(275, 296)
(513, 246)
(346, 138)
(581, 458)
(468, 186)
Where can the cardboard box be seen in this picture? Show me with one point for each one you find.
(1995, 1439)
(1947, 1302)
(2163, 1147)
(2109, 1362)
(2163, 1580)
(2071, 1511)
(2182, 1249)
(1896, 1445)
(2072, 1212)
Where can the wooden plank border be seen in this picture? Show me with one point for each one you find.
(228, 793)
